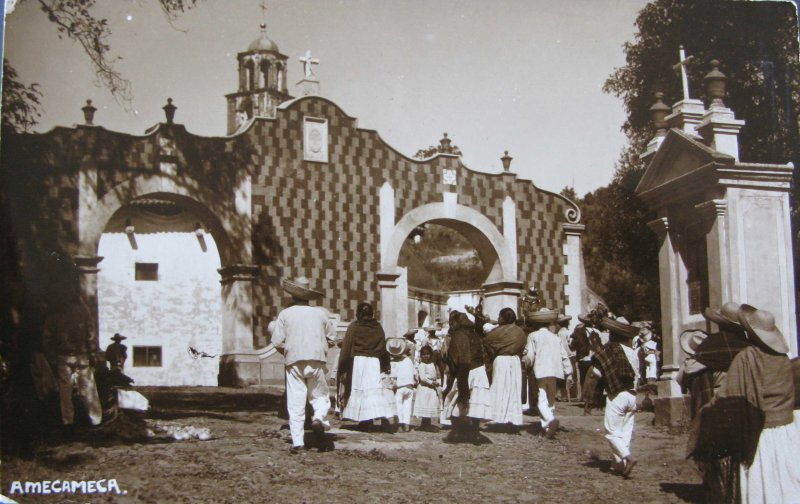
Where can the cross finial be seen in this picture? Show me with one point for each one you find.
(681, 65)
(307, 61)
(263, 7)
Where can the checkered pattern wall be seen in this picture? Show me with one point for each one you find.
(320, 220)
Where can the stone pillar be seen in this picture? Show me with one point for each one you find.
(510, 227)
(687, 115)
(719, 274)
(387, 216)
(499, 295)
(390, 304)
(308, 87)
(573, 270)
(87, 269)
(670, 408)
(239, 365)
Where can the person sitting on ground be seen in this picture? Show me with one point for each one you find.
(618, 364)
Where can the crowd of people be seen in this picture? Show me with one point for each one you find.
(477, 370)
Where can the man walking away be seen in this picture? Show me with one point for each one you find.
(303, 334)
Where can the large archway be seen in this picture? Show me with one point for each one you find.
(501, 288)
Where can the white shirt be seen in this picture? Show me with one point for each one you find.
(404, 372)
(546, 355)
(304, 333)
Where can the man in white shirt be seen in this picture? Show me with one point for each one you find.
(548, 360)
(303, 335)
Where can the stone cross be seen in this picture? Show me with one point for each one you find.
(307, 62)
(682, 67)
(263, 7)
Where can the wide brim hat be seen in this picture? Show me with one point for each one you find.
(300, 288)
(585, 319)
(760, 325)
(727, 315)
(118, 337)
(691, 339)
(543, 316)
(620, 327)
(396, 346)
(564, 318)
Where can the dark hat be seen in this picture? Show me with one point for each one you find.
(118, 337)
(760, 325)
(300, 288)
(620, 327)
(728, 315)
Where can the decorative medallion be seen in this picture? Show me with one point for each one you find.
(315, 139)
(449, 176)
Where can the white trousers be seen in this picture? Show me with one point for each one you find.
(546, 411)
(404, 400)
(618, 423)
(75, 371)
(305, 380)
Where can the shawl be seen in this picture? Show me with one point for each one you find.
(507, 339)
(615, 368)
(364, 338)
(464, 353)
(757, 393)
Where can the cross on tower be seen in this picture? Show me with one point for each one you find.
(307, 61)
(681, 65)
(263, 7)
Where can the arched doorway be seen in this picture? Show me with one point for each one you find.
(159, 287)
(501, 287)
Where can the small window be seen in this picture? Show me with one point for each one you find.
(147, 271)
(147, 356)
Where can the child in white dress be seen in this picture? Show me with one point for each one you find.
(405, 380)
(427, 403)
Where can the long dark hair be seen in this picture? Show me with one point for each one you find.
(364, 311)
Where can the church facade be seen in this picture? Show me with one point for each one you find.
(180, 241)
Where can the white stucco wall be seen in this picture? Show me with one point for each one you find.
(181, 309)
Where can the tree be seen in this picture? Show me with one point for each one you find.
(73, 19)
(757, 45)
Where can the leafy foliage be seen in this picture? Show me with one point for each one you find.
(21, 103)
(443, 261)
(757, 45)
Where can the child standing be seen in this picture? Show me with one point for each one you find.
(427, 403)
(405, 380)
(650, 350)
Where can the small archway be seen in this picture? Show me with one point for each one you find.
(502, 287)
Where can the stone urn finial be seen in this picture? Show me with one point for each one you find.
(88, 113)
(715, 82)
(658, 113)
(506, 159)
(169, 110)
(444, 143)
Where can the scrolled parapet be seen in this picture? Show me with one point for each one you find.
(573, 214)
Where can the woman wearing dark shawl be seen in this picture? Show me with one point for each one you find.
(468, 386)
(503, 347)
(758, 381)
(361, 361)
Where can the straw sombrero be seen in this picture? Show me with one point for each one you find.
(691, 339)
(543, 316)
(728, 315)
(760, 325)
(300, 288)
(396, 346)
(564, 318)
(620, 326)
(118, 337)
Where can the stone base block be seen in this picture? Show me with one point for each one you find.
(671, 411)
(239, 370)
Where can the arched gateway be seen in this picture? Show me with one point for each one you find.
(297, 188)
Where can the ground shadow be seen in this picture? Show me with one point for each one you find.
(208, 399)
(603, 465)
(160, 414)
(690, 492)
(53, 460)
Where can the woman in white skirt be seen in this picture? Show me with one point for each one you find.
(504, 346)
(468, 400)
(362, 360)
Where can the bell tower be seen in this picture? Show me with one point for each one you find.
(262, 82)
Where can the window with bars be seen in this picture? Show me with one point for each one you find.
(147, 356)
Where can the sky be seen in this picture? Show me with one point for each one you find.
(516, 75)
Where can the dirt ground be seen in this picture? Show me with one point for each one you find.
(247, 459)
